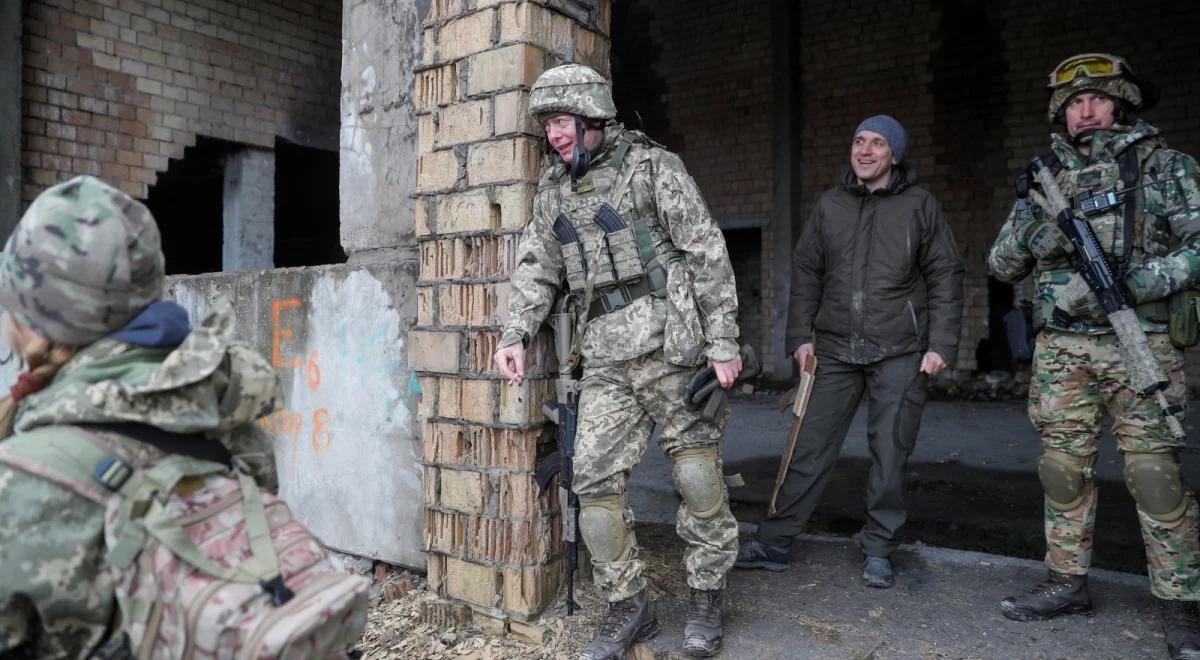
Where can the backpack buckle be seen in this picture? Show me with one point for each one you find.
(112, 473)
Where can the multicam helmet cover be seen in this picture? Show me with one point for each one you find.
(1100, 72)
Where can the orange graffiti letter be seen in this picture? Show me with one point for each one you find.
(279, 333)
(313, 372)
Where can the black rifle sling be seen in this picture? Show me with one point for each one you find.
(192, 445)
(1130, 171)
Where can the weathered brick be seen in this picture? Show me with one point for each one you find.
(528, 590)
(466, 211)
(429, 396)
(508, 541)
(471, 304)
(435, 571)
(440, 10)
(504, 160)
(472, 583)
(591, 49)
(437, 170)
(421, 213)
(528, 22)
(445, 444)
(512, 449)
(478, 401)
(516, 204)
(429, 485)
(520, 497)
(468, 121)
(522, 404)
(426, 133)
(465, 35)
(463, 490)
(444, 532)
(511, 66)
(433, 351)
(511, 114)
(426, 304)
(436, 87)
(449, 399)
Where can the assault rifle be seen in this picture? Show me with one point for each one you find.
(564, 412)
(1146, 376)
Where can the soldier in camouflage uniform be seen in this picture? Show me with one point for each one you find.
(1151, 237)
(81, 282)
(655, 294)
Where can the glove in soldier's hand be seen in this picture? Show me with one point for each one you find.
(1078, 300)
(1045, 240)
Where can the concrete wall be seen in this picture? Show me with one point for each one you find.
(346, 437)
(10, 115)
(378, 166)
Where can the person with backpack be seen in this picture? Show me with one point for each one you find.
(118, 422)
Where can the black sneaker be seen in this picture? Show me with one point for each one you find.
(1181, 623)
(628, 622)
(703, 632)
(877, 572)
(756, 554)
(1057, 594)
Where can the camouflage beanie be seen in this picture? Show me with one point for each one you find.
(84, 260)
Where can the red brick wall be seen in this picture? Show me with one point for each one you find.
(116, 88)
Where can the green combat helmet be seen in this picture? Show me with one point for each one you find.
(1101, 72)
(572, 89)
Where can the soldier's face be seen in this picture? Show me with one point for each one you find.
(1089, 111)
(560, 131)
(871, 157)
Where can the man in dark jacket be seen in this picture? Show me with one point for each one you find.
(877, 299)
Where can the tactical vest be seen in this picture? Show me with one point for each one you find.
(609, 231)
(1129, 230)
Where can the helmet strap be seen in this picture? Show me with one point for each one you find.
(581, 157)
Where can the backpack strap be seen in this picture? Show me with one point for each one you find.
(1131, 172)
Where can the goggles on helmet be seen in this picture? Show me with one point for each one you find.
(1089, 65)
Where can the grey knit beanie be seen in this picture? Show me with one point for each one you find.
(890, 129)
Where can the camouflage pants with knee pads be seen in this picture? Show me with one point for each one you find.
(1076, 378)
(619, 407)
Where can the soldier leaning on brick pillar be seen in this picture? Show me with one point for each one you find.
(665, 303)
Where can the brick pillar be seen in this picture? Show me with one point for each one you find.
(10, 117)
(492, 542)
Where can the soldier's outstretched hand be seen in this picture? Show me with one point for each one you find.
(727, 371)
(511, 362)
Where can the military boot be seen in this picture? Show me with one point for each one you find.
(1181, 623)
(1058, 594)
(702, 634)
(628, 622)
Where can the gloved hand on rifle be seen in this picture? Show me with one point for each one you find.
(1079, 301)
(1045, 240)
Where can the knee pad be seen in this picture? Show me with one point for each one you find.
(1156, 485)
(699, 482)
(1066, 478)
(602, 526)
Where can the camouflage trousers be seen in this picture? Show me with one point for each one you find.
(1076, 378)
(619, 406)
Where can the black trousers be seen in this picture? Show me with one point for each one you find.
(895, 391)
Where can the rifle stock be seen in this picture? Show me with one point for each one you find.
(1146, 376)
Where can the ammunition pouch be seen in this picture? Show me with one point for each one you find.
(1184, 325)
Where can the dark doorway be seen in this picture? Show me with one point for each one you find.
(187, 204)
(307, 229)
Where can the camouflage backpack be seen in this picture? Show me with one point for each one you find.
(203, 562)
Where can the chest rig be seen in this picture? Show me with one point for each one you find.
(612, 243)
(1111, 210)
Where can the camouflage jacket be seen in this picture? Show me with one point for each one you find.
(660, 191)
(56, 597)
(1165, 256)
